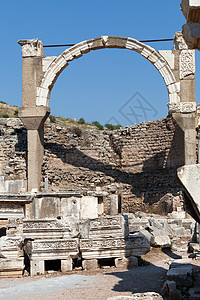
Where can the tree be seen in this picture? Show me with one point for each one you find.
(98, 125)
(112, 127)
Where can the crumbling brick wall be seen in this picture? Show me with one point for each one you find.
(138, 162)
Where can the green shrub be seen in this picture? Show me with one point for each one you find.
(112, 127)
(81, 121)
(16, 113)
(77, 131)
(98, 125)
(3, 102)
(52, 119)
(6, 116)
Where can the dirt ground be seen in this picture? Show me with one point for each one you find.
(93, 285)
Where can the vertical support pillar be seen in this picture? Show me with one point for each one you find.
(31, 115)
(186, 121)
(114, 204)
(33, 119)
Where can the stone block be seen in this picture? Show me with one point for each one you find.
(70, 207)
(108, 226)
(126, 262)
(66, 265)
(190, 178)
(134, 45)
(114, 247)
(46, 228)
(160, 241)
(191, 10)
(139, 296)
(36, 267)
(175, 295)
(168, 56)
(147, 296)
(12, 267)
(191, 34)
(88, 207)
(146, 233)
(178, 231)
(194, 247)
(194, 293)
(169, 286)
(181, 275)
(114, 204)
(52, 249)
(90, 264)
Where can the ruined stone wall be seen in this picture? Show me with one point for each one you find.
(13, 147)
(137, 162)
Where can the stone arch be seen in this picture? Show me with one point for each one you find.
(40, 73)
(56, 65)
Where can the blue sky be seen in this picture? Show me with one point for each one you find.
(99, 84)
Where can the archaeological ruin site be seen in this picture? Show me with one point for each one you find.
(83, 199)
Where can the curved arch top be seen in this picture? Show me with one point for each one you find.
(55, 65)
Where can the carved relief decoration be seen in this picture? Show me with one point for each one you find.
(187, 63)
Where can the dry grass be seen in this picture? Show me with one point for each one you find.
(8, 110)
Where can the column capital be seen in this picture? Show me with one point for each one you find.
(31, 48)
(33, 117)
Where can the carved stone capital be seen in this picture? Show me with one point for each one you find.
(31, 48)
(187, 107)
(179, 41)
(173, 107)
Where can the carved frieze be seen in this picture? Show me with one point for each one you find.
(187, 107)
(187, 63)
(114, 247)
(10, 243)
(42, 224)
(115, 226)
(113, 243)
(52, 246)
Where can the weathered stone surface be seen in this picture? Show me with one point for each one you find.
(13, 205)
(190, 178)
(47, 228)
(115, 226)
(182, 275)
(56, 205)
(114, 204)
(88, 207)
(11, 256)
(194, 247)
(191, 10)
(160, 241)
(66, 265)
(191, 33)
(114, 247)
(96, 158)
(52, 249)
(90, 264)
(146, 233)
(139, 296)
(179, 41)
(32, 47)
(194, 293)
(128, 263)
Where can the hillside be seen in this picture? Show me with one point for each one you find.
(9, 111)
